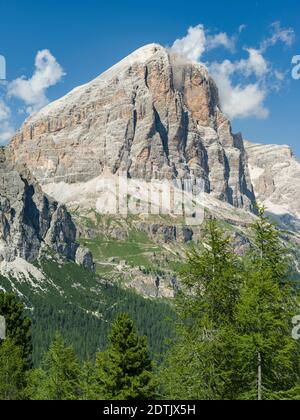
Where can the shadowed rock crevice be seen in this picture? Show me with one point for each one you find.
(160, 128)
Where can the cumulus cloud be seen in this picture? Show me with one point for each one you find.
(244, 84)
(243, 99)
(255, 64)
(32, 91)
(239, 100)
(193, 45)
(198, 41)
(4, 111)
(220, 40)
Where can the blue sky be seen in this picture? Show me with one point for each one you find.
(87, 37)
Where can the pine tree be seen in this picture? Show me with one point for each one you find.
(268, 355)
(125, 370)
(12, 371)
(200, 365)
(211, 275)
(59, 377)
(18, 326)
(89, 385)
(235, 337)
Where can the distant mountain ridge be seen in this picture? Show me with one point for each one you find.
(275, 175)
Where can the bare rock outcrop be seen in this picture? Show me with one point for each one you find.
(275, 174)
(30, 220)
(153, 115)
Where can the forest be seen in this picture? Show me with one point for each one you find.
(228, 335)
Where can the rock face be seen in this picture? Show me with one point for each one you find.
(154, 114)
(29, 219)
(168, 234)
(84, 257)
(275, 174)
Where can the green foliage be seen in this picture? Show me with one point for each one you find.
(213, 272)
(59, 377)
(87, 330)
(235, 331)
(196, 367)
(82, 308)
(266, 307)
(267, 252)
(89, 383)
(12, 371)
(125, 369)
(18, 326)
(233, 337)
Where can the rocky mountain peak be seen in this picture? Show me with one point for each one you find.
(154, 114)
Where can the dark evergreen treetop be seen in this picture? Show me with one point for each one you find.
(18, 326)
(125, 368)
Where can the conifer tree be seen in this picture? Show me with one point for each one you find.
(267, 354)
(12, 371)
(235, 338)
(18, 326)
(200, 365)
(89, 384)
(59, 377)
(125, 370)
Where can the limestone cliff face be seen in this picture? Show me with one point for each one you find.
(275, 174)
(30, 220)
(153, 114)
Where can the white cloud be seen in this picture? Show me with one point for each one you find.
(239, 101)
(243, 84)
(242, 28)
(4, 111)
(32, 91)
(278, 34)
(221, 40)
(255, 64)
(197, 42)
(193, 45)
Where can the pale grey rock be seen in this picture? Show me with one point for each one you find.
(153, 115)
(167, 234)
(275, 174)
(30, 220)
(84, 257)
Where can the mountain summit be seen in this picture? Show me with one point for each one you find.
(152, 114)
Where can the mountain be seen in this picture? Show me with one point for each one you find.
(275, 174)
(153, 115)
(43, 264)
(30, 222)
